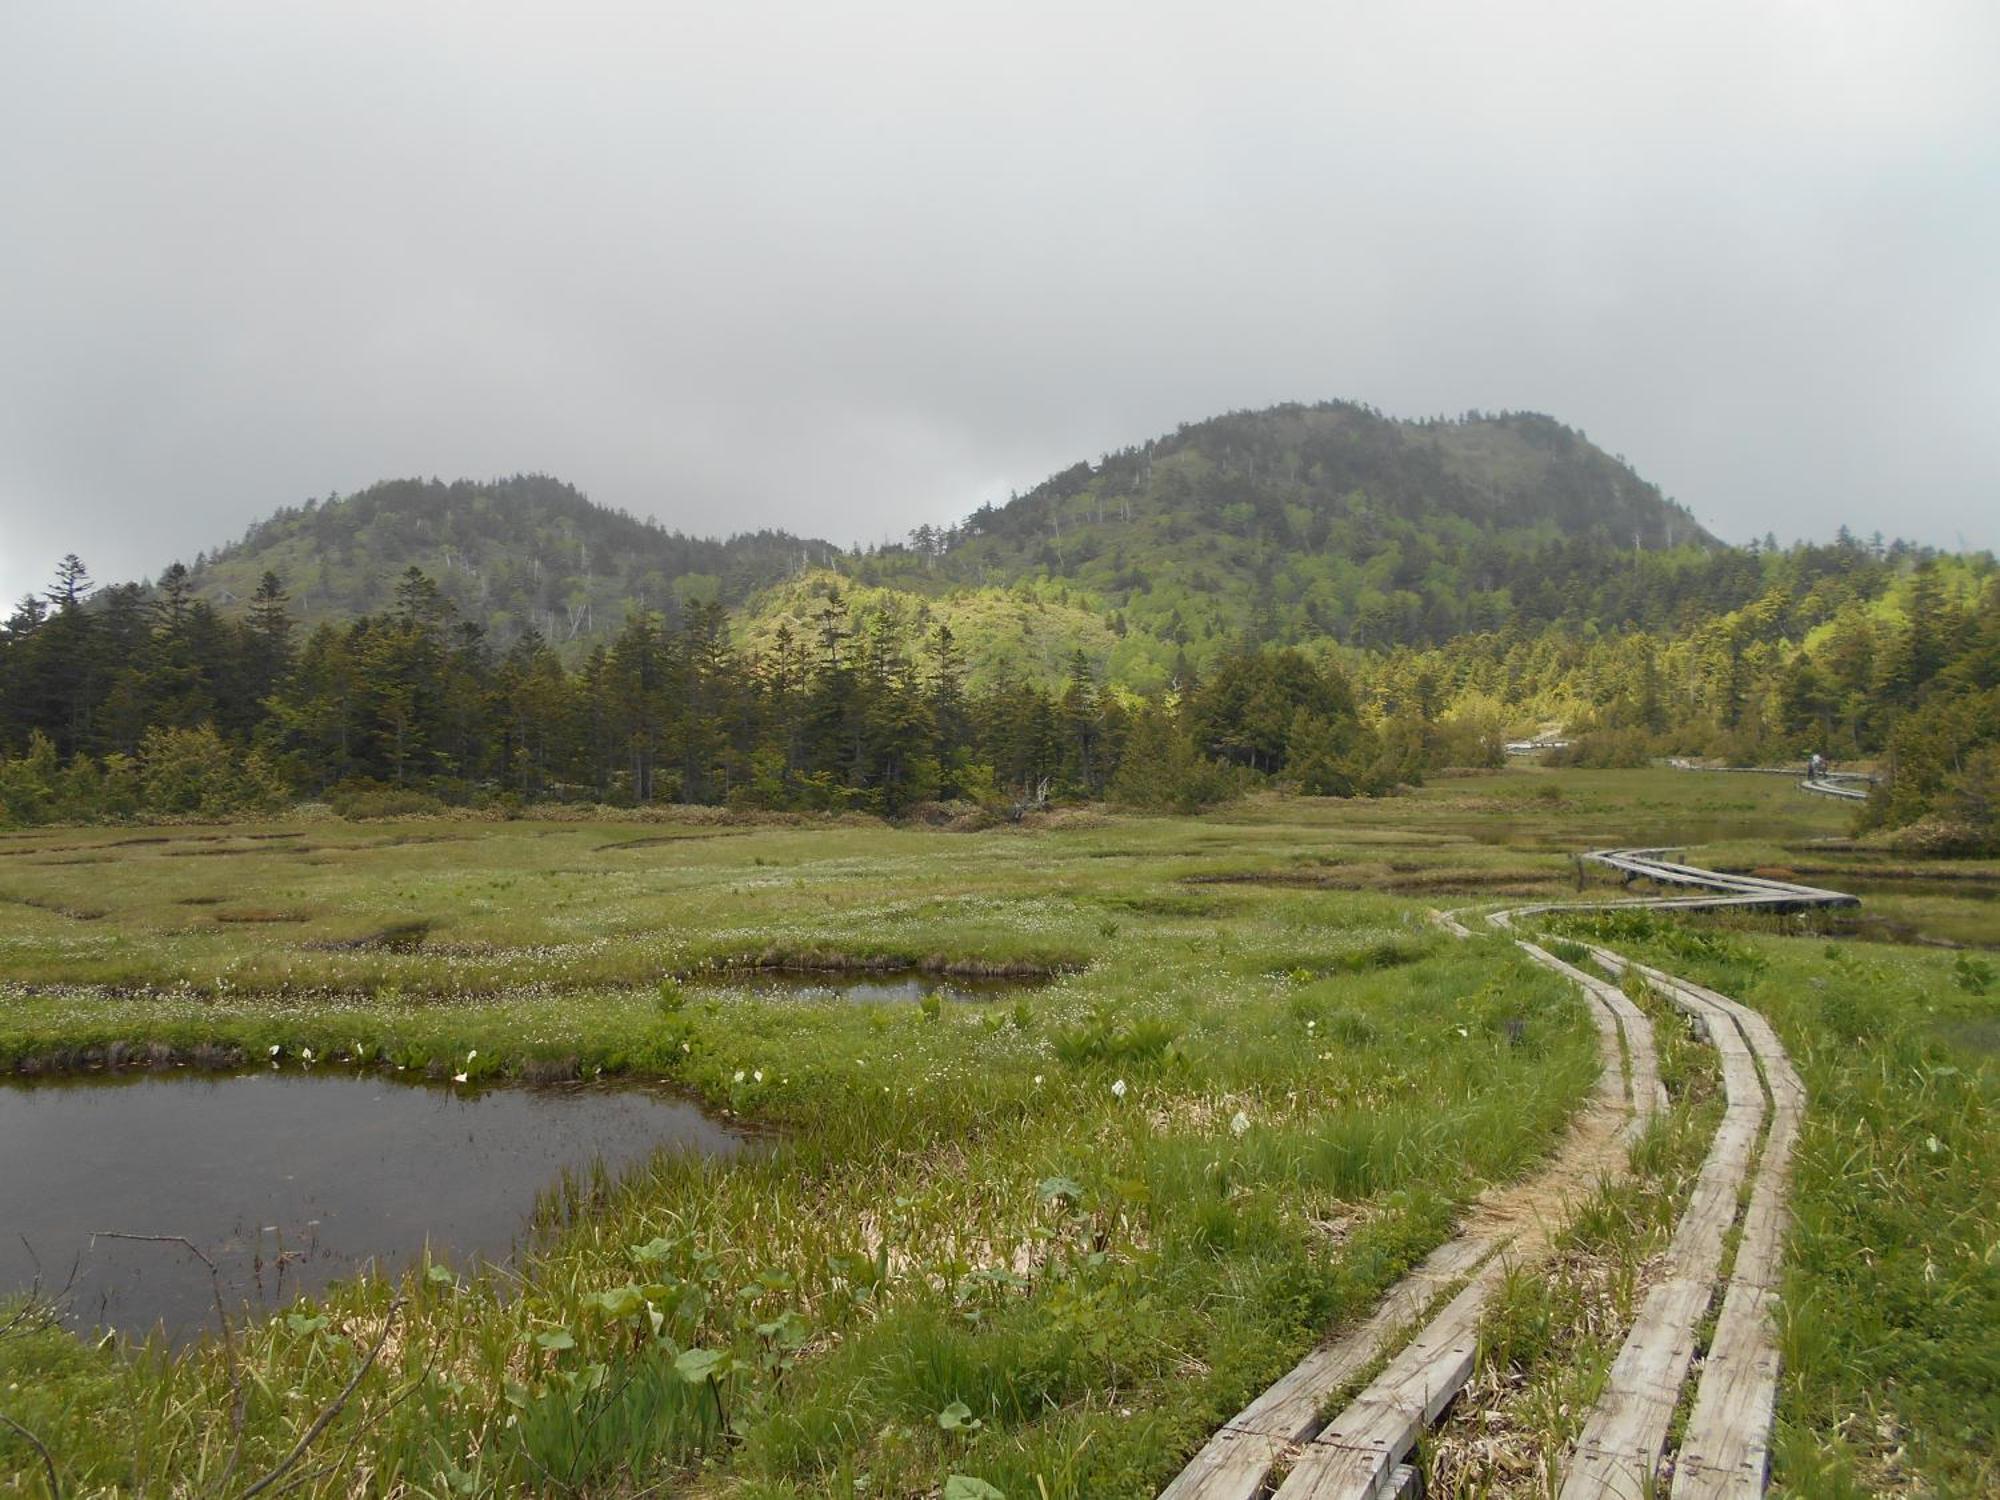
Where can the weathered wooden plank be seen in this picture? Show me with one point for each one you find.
(1826, 788)
(1291, 1408)
(1625, 1435)
(1611, 1081)
(1638, 1027)
(1235, 1463)
(1355, 1457)
(1726, 1451)
(1237, 1460)
(1643, 864)
(1358, 1452)
(1622, 1442)
(1232, 1465)
(1696, 1248)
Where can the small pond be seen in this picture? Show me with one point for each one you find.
(289, 1181)
(865, 988)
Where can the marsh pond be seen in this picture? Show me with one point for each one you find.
(289, 1181)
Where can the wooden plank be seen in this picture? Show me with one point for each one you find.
(1291, 1408)
(1625, 1435)
(1619, 1450)
(1640, 863)
(1647, 1095)
(1232, 1465)
(1235, 1463)
(1638, 1027)
(1726, 1452)
(1356, 1456)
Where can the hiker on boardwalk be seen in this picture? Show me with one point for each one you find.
(1816, 767)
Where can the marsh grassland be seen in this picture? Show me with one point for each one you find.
(1036, 1243)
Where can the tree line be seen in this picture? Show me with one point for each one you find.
(1907, 678)
(121, 702)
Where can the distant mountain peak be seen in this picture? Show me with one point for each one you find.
(527, 552)
(1295, 523)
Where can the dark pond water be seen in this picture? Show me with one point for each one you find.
(876, 989)
(290, 1181)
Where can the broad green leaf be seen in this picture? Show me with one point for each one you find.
(698, 1366)
(618, 1302)
(789, 1330)
(958, 1417)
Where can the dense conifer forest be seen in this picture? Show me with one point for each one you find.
(1320, 597)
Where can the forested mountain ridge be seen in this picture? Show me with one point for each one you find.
(1334, 522)
(1319, 595)
(515, 554)
(1290, 525)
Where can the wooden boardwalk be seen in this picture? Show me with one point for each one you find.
(1624, 1438)
(1842, 784)
(1849, 786)
(1360, 1450)
(1506, 1228)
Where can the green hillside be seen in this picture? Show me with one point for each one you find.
(1333, 522)
(514, 554)
(1319, 525)
(1321, 595)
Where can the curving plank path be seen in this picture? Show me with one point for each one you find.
(1506, 1227)
(1620, 1452)
(1849, 786)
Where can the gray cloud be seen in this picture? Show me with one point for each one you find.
(850, 268)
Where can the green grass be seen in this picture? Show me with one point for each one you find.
(900, 1247)
(957, 1206)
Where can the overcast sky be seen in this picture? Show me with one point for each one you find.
(846, 268)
